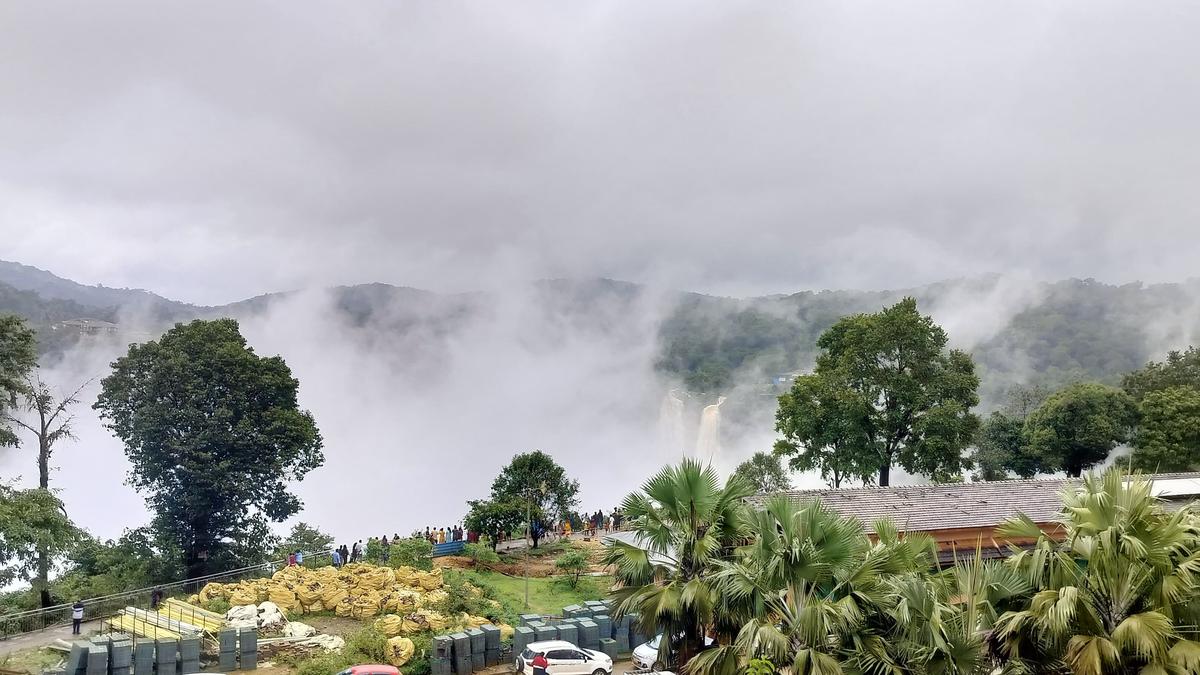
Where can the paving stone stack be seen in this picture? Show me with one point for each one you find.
(596, 607)
(143, 658)
(189, 655)
(443, 651)
(604, 622)
(544, 632)
(77, 660)
(522, 636)
(621, 632)
(461, 651)
(569, 632)
(227, 650)
(571, 611)
(248, 652)
(120, 656)
(609, 646)
(527, 619)
(491, 643)
(589, 634)
(97, 659)
(166, 656)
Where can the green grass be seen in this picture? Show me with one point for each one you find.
(31, 660)
(547, 595)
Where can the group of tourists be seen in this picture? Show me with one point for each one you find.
(442, 535)
(593, 524)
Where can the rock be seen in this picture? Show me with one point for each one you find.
(297, 629)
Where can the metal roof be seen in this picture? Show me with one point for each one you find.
(927, 508)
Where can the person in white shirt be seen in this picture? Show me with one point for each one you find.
(76, 617)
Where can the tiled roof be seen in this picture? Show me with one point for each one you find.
(926, 508)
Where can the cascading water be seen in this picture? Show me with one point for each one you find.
(670, 426)
(708, 441)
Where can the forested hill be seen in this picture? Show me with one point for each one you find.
(1049, 333)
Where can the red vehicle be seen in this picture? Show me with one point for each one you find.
(371, 669)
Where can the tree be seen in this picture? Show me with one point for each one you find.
(684, 522)
(214, 435)
(1168, 434)
(414, 551)
(1000, 445)
(18, 355)
(493, 518)
(304, 537)
(33, 523)
(885, 391)
(139, 558)
(1078, 426)
(573, 563)
(1118, 596)
(50, 423)
(1179, 369)
(535, 480)
(480, 555)
(764, 473)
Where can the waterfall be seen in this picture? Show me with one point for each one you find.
(670, 426)
(708, 441)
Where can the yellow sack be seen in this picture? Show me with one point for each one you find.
(432, 598)
(401, 602)
(344, 607)
(434, 620)
(212, 591)
(506, 631)
(408, 576)
(314, 608)
(308, 593)
(390, 625)
(193, 600)
(431, 580)
(243, 596)
(285, 598)
(332, 597)
(400, 650)
(364, 607)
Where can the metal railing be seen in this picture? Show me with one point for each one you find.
(107, 606)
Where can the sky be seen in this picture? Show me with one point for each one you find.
(215, 151)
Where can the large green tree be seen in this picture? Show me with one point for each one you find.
(683, 523)
(1079, 425)
(215, 435)
(33, 526)
(18, 355)
(494, 518)
(1179, 369)
(885, 391)
(1000, 445)
(535, 480)
(764, 473)
(1168, 434)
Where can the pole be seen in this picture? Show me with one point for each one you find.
(528, 535)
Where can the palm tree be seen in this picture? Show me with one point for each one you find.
(1119, 595)
(683, 522)
(823, 598)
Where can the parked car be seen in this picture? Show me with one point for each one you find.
(371, 669)
(564, 658)
(645, 655)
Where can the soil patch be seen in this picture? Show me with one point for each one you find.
(333, 625)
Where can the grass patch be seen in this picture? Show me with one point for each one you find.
(33, 660)
(547, 595)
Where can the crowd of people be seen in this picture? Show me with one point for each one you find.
(441, 535)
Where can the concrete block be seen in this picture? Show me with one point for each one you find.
(605, 624)
(609, 647)
(77, 659)
(189, 649)
(442, 647)
(462, 644)
(478, 640)
(463, 664)
(570, 610)
(440, 666)
(568, 632)
(478, 661)
(527, 618)
(491, 636)
(622, 640)
(522, 636)
(120, 654)
(248, 660)
(491, 657)
(189, 667)
(545, 633)
(97, 660)
(227, 640)
(248, 641)
(589, 634)
(227, 661)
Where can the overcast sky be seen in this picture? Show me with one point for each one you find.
(211, 151)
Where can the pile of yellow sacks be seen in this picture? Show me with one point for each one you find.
(359, 590)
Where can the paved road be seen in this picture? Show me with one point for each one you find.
(43, 637)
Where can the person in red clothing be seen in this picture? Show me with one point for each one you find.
(291, 560)
(539, 663)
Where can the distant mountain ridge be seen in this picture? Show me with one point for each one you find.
(1067, 330)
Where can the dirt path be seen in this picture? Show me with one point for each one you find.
(43, 637)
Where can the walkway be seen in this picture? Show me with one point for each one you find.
(44, 637)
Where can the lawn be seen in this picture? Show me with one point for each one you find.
(547, 595)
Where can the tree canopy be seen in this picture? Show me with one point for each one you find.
(33, 524)
(494, 518)
(1180, 369)
(214, 434)
(1168, 434)
(885, 391)
(536, 480)
(764, 473)
(18, 355)
(1079, 425)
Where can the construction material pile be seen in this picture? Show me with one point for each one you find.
(174, 619)
(407, 598)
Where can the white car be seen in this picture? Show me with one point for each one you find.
(564, 658)
(645, 655)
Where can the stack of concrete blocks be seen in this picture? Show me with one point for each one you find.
(97, 659)
(442, 661)
(568, 631)
(522, 637)
(572, 611)
(544, 632)
(461, 652)
(622, 630)
(478, 640)
(77, 661)
(189, 655)
(527, 619)
(604, 622)
(143, 658)
(227, 650)
(166, 656)
(636, 637)
(609, 647)
(120, 655)
(248, 652)
(589, 634)
(596, 607)
(491, 644)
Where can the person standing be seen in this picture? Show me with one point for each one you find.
(156, 597)
(441, 537)
(76, 617)
(539, 663)
(299, 557)
(336, 558)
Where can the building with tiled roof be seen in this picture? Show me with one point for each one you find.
(963, 516)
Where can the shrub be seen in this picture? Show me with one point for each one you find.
(365, 646)
(374, 552)
(573, 563)
(480, 554)
(217, 605)
(414, 552)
